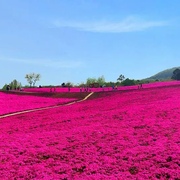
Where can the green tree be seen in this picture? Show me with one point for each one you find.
(101, 80)
(15, 84)
(36, 78)
(29, 78)
(32, 78)
(81, 84)
(121, 78)
(108, 84)
(91, 81)
(128, 82)
(69, 84)
(4, 87)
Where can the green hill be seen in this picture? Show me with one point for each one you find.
(163, 75)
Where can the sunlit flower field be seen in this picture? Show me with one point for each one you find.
(114, 135)
(13, 103)
(83, 89)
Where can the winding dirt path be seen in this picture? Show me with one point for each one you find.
(45, 108)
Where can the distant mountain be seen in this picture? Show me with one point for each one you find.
(163, 75)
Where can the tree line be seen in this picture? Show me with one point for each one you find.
(32, 78)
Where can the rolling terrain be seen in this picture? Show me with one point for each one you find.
(123, 134)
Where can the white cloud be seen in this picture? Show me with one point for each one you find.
(47, 63)
(129, 24)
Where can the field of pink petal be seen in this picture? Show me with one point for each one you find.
(11, 103)
(100, 89)
(117, 135)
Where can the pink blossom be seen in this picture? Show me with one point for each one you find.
(117, 135)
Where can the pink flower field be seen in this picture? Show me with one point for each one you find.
(112, 135)
(12, 103)
(77, 89)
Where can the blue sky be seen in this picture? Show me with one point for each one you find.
(72, 40)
